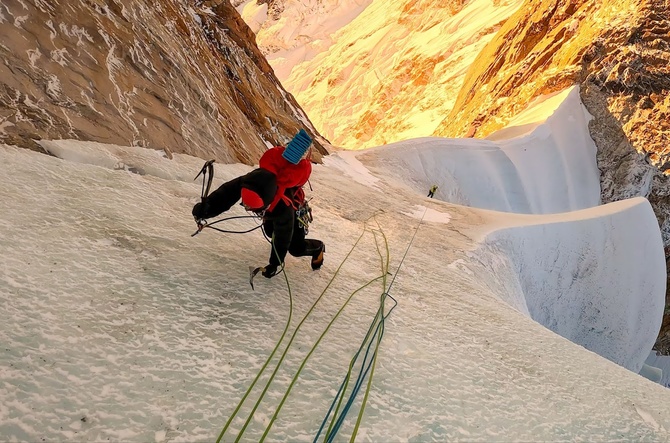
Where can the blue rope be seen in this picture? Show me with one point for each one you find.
(340, 393)
(347, 377)
(356, 388)
(381, 327)
(365, 369)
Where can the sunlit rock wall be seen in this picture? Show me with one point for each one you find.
(619, 51)
(184, 76)
(389, 72)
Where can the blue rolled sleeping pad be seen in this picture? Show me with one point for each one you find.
(297, 147)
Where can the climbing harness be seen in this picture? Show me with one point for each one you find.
(304, 215)
(303, 211)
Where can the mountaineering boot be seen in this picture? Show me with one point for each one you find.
(317, 258)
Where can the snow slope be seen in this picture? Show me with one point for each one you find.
(118, 324)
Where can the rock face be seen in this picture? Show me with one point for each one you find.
(619, 52)
(184, 76)
(391, 73)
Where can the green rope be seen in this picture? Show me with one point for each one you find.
(408, 246)
(379, 338)
(267, 385)
(381, 326)
(253, 383)
(372, 373)
(293, 335)
(309, 354)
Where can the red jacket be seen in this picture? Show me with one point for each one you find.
(288, 174)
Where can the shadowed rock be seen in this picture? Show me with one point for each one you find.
(182, 76)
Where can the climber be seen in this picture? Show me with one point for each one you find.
(274, 192)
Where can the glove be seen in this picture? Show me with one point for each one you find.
(270, 271)
(200, 210)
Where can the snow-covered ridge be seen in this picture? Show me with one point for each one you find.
(546, 164)
(596, 276)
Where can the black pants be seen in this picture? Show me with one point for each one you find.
(430, 194)
(289, 236)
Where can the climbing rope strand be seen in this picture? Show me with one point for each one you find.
(338, 420)
(231, 218)
(339, 398)
(293, 335)
(384, 264)
(231, 232)
(330, 409)
(311, 351)
(368, 339)
(372, 372)
(365, 367)
(367, 389)
(374, 358)
(202, 225)
(407, 250)
(258, 376)
(345, 383)
(264, 367)
(383, 326)
(281, 359)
